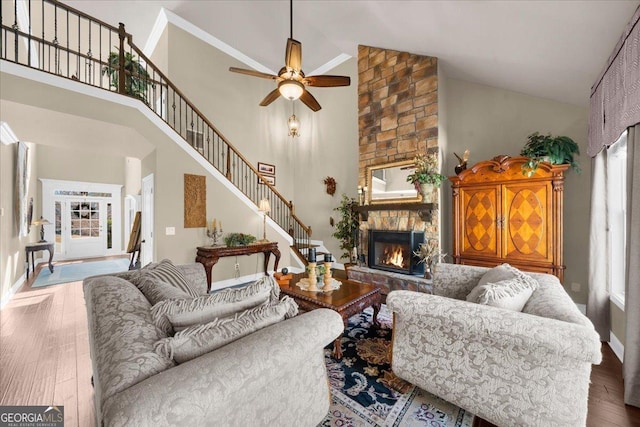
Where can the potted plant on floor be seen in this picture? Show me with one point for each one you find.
(426, 176)
(556, 150)
(347, 227)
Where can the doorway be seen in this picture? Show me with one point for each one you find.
(86, 218)
(146, 246)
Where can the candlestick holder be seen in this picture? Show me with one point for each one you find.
(327, 277)
(214, 235)
(312, 277)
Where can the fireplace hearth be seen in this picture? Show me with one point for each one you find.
(393, 251)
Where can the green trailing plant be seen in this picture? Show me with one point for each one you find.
(426, 171)
(557, 150)
(347, 227)
(238, 239)
(137, 79)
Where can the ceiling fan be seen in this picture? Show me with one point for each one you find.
(291, 79)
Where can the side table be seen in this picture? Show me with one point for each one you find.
(209, 255)
(36, 247)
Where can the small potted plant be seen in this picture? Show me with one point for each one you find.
(556, 150)
(137, 79)
(347, 228)
(426, 176)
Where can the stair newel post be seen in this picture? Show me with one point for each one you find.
(291, 213)
(122, 34)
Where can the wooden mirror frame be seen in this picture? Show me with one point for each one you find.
(408, 199)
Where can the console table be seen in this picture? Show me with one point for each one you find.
(36, 247)
(209, 255)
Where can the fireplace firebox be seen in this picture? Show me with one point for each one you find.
(393, 251)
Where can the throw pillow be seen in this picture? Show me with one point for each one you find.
(166, 272)
(198, 340)
(497, 274)
(156, 291)
(174, 316)
(510, 294)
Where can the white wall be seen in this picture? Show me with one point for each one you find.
(491, 121)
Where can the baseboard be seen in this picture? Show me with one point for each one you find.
(616, 346)
(12, 290)
(221, 284)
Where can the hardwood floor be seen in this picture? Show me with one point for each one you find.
(44, 359)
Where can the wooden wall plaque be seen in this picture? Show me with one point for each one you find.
(195, 201)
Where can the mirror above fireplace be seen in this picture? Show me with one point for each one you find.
(388, 183)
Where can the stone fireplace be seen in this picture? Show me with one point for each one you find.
(397, 120)
(393, 251)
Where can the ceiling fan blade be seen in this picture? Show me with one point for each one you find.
(273, 95)
(293, 55)
(327, 81)
(253, 73)
(310, 101)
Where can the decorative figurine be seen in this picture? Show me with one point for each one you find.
(463, 162)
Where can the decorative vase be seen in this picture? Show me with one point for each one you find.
(426, 191)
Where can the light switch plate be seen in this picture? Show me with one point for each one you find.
(170, 231)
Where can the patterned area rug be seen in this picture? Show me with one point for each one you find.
(366, 392)
(75, 271)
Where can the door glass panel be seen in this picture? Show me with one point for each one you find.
(58, 222)
(85, 219)
(109, 225)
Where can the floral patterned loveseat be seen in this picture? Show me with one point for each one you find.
(529, 368)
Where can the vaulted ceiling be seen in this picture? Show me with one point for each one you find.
(551, 49)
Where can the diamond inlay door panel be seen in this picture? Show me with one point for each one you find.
(480, 228)
(527, 222)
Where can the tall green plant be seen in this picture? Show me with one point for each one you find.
(347, 226)
(557, 150)
(137, 79)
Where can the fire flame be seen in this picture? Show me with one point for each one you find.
(393, 256)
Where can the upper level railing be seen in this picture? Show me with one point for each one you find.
(52, 37)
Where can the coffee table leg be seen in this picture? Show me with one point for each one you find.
(337, 348)
(376, 310)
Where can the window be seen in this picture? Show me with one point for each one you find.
(617, 216)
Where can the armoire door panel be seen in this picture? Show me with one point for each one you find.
(479, 221)
(527, 233)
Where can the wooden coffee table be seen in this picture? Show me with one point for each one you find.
(352, 298)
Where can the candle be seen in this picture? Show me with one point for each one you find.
(214, 223)
(220, 225)
(312, 255)
(327, 257)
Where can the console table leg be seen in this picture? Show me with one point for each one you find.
(50, 259)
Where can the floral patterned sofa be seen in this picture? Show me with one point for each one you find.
(529, 368)
(275, 376)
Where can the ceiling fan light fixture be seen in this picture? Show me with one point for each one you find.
(291, 89)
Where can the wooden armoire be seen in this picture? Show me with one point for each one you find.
(501, 215)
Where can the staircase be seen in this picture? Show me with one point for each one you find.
(52, 37)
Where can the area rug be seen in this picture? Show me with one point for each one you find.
(365, 392)
(73, 272)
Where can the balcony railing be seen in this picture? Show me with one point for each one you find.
(52, 37)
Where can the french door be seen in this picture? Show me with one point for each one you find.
(83, 227)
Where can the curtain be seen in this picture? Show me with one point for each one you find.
(615, 95)
(631, 364)
(598, 306)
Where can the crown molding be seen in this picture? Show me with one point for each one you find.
(166, 17)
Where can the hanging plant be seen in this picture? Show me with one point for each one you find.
(557, 150)
(347, 226)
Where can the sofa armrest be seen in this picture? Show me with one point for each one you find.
(462, 323)
(276, 376)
